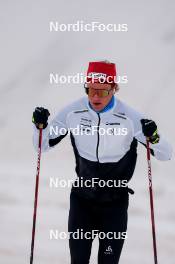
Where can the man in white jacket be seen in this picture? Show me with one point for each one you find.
(104, 134)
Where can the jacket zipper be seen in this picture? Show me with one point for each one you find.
(98, 137)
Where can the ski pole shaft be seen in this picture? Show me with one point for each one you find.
(36, 194)
(151, 202)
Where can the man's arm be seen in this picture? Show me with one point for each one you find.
(57, 129)
(161, 148)
(52, 133)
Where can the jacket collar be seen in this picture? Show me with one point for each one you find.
(108, 109)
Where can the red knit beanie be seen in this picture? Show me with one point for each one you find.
(102, 72)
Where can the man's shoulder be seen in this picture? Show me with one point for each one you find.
(78, 105)
(127, 110)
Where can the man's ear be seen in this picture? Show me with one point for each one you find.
(116, 88)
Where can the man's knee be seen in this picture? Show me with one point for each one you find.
(80, 251)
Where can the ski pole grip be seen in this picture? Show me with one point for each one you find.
(40, 126)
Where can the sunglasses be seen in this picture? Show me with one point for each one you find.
(100, 92)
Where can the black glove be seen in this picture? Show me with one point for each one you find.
(149, 129)
(40, 116)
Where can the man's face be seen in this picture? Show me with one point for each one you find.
(97, 102)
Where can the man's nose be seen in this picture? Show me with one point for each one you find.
(96, 96)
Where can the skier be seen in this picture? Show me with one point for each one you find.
(105, 149)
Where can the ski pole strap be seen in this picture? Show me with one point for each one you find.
(131, 191)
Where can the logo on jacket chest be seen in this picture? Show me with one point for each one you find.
(85, 124)
(112, 128)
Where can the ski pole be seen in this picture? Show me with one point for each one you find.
(36, 193)
(151, 201)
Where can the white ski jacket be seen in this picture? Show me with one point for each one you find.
(107, 136)
(104, 144)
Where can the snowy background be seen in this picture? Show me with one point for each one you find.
(28, 54)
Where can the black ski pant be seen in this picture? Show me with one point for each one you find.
(85, 216)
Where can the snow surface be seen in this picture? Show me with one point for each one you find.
(28, 54)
